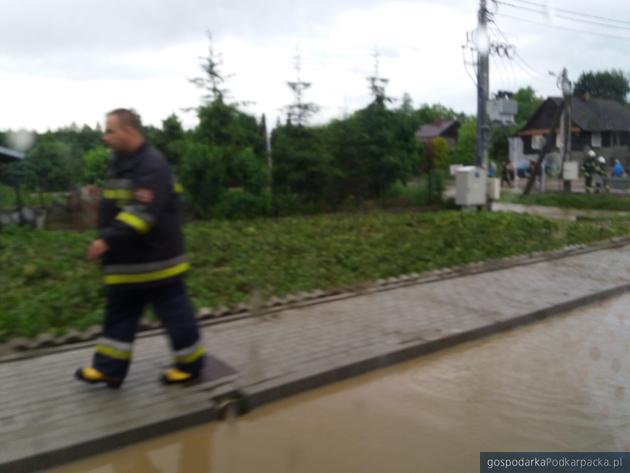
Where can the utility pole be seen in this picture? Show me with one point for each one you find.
(483, 84)
(565, 86)
(550, 141)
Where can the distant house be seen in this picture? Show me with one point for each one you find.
(444, 129)
(8, 155)
(600, 124)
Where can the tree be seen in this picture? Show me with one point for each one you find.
(464, 150)
(246, 170)
(52, 165)
(172, 131)
(224, 125)
(302, 165)
(95, 163)
(220, 123)
(611, 85)
(262, 130)
(528, 102)
(436, 159)
(299, 111)
(373, 148)
(499, 144)
(213, 79)
(436, 154)
(202, 173)
(12, 175)
(433, 113)
(378, 84)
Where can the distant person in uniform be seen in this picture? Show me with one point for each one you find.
(588, 170)
(601, 175)
(492, 169)
(507, 173)
(617, 170)
(141, 247)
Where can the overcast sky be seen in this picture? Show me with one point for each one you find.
(64, 61)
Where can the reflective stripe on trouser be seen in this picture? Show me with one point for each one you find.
(125, 306)
(190, 359)
(145, 272)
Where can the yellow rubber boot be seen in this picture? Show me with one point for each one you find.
(177, 376)
(92, 376)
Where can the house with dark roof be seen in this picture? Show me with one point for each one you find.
(595, 123)
(445, 129)
(599, 124)
(8, 155)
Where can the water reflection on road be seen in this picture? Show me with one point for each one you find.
(559, 385)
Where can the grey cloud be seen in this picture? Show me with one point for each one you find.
(39, 28)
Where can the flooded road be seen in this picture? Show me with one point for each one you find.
(559, 385)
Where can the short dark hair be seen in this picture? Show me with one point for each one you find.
(128, 117)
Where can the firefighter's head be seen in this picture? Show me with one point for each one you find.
(123, 130)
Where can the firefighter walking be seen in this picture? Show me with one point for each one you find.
(141, 248)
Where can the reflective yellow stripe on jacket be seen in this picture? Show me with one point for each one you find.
(133, 221)
(150, 276)
(117, 194)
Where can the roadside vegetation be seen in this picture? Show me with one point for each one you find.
(47, 287)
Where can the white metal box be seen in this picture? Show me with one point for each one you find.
(494, 188)
(470, 186)
(570, 171)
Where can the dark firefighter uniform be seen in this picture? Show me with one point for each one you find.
(140, 219)
(588, 169)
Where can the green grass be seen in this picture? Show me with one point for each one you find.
(613, 202)
(47, 287)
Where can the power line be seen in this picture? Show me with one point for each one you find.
(499, 68)
(564, 17)
(498, 61)
(524, 64)
(573, 30)
(572, 12)
(513, 72)
(535, 10)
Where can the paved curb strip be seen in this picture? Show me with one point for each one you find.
(307, 381)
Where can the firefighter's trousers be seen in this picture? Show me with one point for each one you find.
(125, 306)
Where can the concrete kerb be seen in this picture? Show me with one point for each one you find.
(304, 381)
(44, 344)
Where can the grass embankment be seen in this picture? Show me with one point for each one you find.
(613, 202)
(46, 285)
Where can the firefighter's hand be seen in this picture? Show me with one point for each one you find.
(97, 249)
